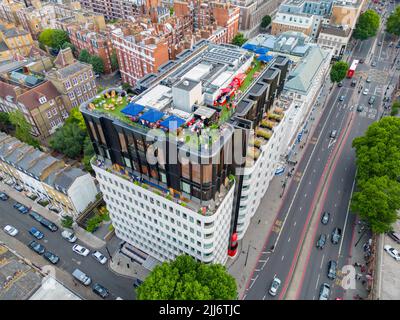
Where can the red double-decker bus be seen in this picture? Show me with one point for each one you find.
(352, 69)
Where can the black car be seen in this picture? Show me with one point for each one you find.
(48, 224)
(51, 257)
(336, 235)
(100, 290)
(332, 266)
(321, 241)
(361, 61)
(37, 247)
(394, 235)
(36, 216)
(325, 217)
(137, 283)
(3, 196)
(360, 108)
(340, 84)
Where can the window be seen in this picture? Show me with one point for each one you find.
(67, 85)
(74, 81)
(54, 111)
(42, 100)
(48, 113)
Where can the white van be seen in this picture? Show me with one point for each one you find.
(81, 277)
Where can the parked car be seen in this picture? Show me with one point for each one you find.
(99, 257)
(392, 252)
(36, 233)
(37, 247)
(394, 235)
(333, 134)
(368, 80)
(353, 82)
(12, 231)
(360, 108)
(366, 91)
(321, 241)
(51, 257)
(36, 216)
(324, 291)
(336, 235)
(373, 64)
(69, 236)
(276, 283)
(20, 207)
(341, 98)
(371, 100)
(10, 182)
(17, 205)
(379, 43)
(80, 250)
(3, 196)
(100, 290)
(340, 84)
(18, 188)
(54, 209)
(361, 61)
(49, 225)
(332, 266)
(81, 277)
(325, 217)
(137, 282)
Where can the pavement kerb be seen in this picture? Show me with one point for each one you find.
(293, 293)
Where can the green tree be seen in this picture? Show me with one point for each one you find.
(68, 140)
(67, 222)
(187, 279)
(53, 38)
(75, 116)
(395, 108)
(126, 86)
(84, 56)
(22, 128)
(5, 123)
(338, 71)
(377, 202)
(171, 11)
(367, 25)
(114, 61)
(239, 39)
(88, 153)
(265, 22)
(66, 45)
(97, 63)
(393, 22)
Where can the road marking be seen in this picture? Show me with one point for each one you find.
(262, 268)
(264, 297)
(253, 281)
(347, 213)
(288, 240)
(305, 195)
(322, 261)
(257, 270)
(283, 258)
(294, 223)
(263, 260)
(316, 285)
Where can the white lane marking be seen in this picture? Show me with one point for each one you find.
(316, 285)
(322, 261)
(347, 213)
(262, 268)
(257, 270)
(288, 240)
(283, 258)
(264, 297)
(253, 281)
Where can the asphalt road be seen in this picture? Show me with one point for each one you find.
(301, 194)
(118, 286)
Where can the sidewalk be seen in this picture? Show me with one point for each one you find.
(263, 222)
(123, 265)
(82, 234)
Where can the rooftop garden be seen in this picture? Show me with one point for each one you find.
(251, 74)
(111, 103)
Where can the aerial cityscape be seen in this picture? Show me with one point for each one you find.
(199, 150)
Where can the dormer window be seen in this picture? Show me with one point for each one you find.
(42, 100)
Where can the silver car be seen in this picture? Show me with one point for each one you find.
(325, 291)
(273, 290)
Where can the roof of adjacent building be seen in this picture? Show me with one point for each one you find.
(339, 31)
(72, 69)
(30, 98)
(3, 46)
(11, 33)
(301, 78)
(66, 177)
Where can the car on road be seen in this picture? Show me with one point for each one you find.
(20, 207)
(17, 205)
(379, 43)
(336, 235)
(366, 91)
(333, 134)
(332, 266)
(341, 98)
(36, 216)
(324, 291)
(18, 188)
(361, 61)
(100, 290)
(37, 247)
(81, 277)
(340, 84)
(392, 252)
(368, 80)
(371, 100)
(49, 225)
(325, 217)
(51, 257)
(321, 241)
(3, 196)
(353, 82)
(80, 250)
(373, 64)
(394, 235)
(12, 231)
(69, 236)
(360, 108)
(137, 282)
(273, 289)
(99, 257)
(36, 233)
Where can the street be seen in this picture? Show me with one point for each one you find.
(118, 286)
(324, 181)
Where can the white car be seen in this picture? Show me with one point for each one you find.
(99, 257)
(80, 250)
(392, 251)
(69, 236)
(365, 92)
(11, 230)
(273, 290)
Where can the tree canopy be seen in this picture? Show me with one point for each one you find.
(75, 116)
(97, 64)
(367, 25)
(378, 171)
(114, 61)
(68, 140)
(265, 22)
(22, 128)
(338, 71)
(53, 38)
(84, 56)
(239, 39)
(5, 123)
(393, 22)
(186, 279)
